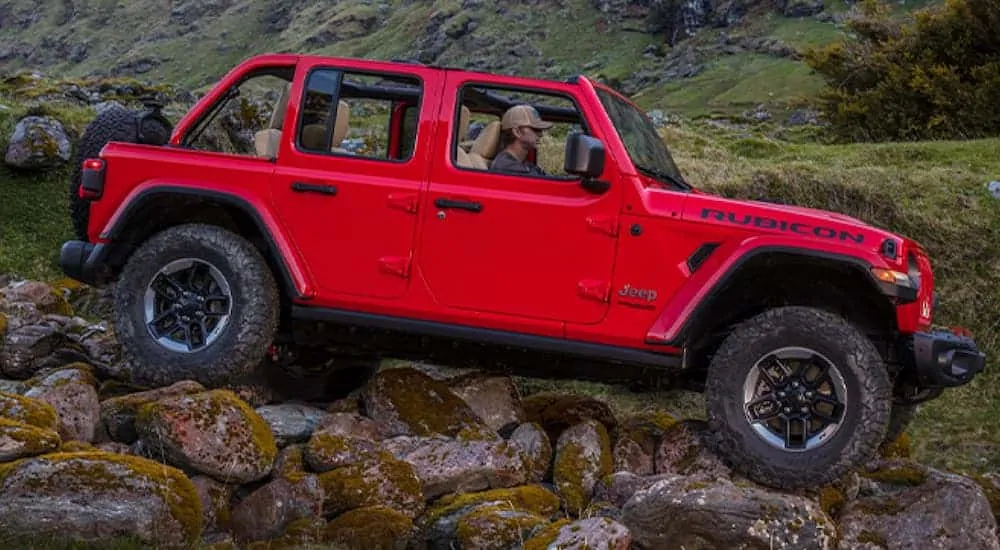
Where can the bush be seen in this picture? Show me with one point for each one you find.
(932, 75)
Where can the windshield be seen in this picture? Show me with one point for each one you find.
(644, 145)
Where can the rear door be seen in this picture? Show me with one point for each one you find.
(347, 184)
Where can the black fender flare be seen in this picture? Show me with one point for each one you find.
(137, 203)
(898, 293)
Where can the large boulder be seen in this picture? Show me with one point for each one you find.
(38, 143)
(97, 496)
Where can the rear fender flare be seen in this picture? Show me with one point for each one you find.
(291, 269)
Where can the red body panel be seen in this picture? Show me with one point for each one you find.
(541, 257)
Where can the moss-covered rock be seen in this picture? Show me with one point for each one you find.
(118, 413)
(555, 412)
(214, 433)
(446, 465)
(28, 411)
(72, 392)
(96, 495)
(371, 527)
(410, 402)
(46, 299)
(636, 439)
(536, 450)
(381, 481)
(214, 497)
(583, 456)
(19, 440)
(325, 452)
(265, 512)
(438, 528)
(497, 527)
(494, 398)
(595, 532)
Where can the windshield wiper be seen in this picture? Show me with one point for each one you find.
(664, 176)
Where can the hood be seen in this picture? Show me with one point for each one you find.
(766, 217)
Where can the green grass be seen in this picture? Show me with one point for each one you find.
(734, 84)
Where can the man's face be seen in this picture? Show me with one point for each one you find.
(528, 136)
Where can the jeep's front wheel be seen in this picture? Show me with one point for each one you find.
(195, 302)
(797, 397)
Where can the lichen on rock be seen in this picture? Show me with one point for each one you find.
(28, 411)
(95, 495)
(380, 481)
(214, 433)
(410, 402)
(19, 440)
(371, 528)
(118, 413)
(582, 457)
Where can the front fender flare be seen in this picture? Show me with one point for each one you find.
(680, 314)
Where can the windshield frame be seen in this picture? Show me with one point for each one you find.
(646, 149)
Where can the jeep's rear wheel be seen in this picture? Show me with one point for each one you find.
(797, 397)
(195, 302)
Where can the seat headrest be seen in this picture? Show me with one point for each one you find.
(314, 135)
(342, 124)
(278, 116)
(488, 141)
(464, 116)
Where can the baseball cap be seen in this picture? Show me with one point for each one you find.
(523, 115)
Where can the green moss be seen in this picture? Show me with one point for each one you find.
(901, 474)
(383, 481)
(76, 446)
(528, 498)
(426, 405)
(546, 536)
(205, 411)
(93, 470)
(831, 500)
(29, 411)
(900, 448)
(871, 537)
(370, 527)
(323, 449)
(34, 440)
(878, 506)
(495, 526)
(572, 464)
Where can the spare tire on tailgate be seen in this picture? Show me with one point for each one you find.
(114, 123)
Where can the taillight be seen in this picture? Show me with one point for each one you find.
(92, 179)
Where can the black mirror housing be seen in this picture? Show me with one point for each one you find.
(584, 156)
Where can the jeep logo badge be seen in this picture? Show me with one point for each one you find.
(628, 291)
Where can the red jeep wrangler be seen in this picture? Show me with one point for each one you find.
(363, 201)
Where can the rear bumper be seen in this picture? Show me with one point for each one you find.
(85, 262)
(942, 359)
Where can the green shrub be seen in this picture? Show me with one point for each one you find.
(932, 75)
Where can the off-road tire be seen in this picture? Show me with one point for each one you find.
(866, 409)
(116, 123)
(240, 346)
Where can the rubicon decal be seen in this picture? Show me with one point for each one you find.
(764, 222)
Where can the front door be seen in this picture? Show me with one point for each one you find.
(348, 180)
(531, 246)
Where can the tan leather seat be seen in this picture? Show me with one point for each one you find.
(266, 141)
(314, 135)
(485, 147)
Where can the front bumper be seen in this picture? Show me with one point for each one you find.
(942, 359)
(85, 262)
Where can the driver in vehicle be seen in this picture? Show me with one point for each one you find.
(521, 128)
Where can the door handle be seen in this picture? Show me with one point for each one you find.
(471, 206)
(303, 187)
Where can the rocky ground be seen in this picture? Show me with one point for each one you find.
(419, 457)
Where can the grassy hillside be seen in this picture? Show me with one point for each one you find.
(191, 44)
(934, 192)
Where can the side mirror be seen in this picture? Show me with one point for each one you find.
(585, 157)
